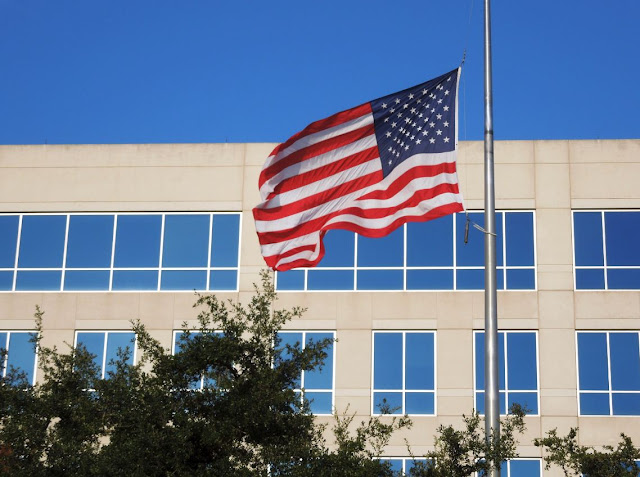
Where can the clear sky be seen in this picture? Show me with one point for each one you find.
(138, 71)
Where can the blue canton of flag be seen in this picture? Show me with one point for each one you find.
(417, 120)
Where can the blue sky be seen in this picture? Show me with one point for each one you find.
(138, 71)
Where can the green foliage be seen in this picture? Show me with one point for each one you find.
(145, 420)
(575, 459)
(464, 452)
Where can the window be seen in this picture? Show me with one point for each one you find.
(21, 353)
(402, 465)
(521, 468)
(428, 255)
(315, 386)
(606, 255)
(119, 252)
(404, 372)
(105, 346)
(518, 370)
(608, 373)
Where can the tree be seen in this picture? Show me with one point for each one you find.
(466, 452)
(576, 459)
(145, 419)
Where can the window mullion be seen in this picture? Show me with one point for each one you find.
(609, 374)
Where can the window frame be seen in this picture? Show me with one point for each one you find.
(112, 269)
(302, 390)
(609, 391)
(506, 372)
(405, 267)
(604, 267)
(4, 364)
(403, 389)
(134, 353)
(405, 461)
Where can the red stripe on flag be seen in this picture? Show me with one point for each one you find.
(326, 123)
(324, 172)
(314, 200)
(401, 182)
(314, 150)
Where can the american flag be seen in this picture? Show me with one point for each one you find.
(368, 169)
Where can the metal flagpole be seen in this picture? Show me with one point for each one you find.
(491, 385)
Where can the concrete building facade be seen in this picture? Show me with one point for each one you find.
(579, 311)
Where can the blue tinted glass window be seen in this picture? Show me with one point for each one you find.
(290, 280)
(589, 279)
(387, 361)
(123, 343)
(517, 367)
(387, 251)
(319, 402)
(21, 353)
(316, 384)
(320, 378)
(623, 230)
(380, 279)
(42, 241)
(587, 238)
(617, 267)
(626, 404)
(521, 352)
(429, 279)
(472, 252)
(519, 279)
(38, 281)
(186, 241)
(339, 246)
(470, 279)
(225, 240)
(625, 361)
(519, 246)
(404, 372)
(394, 464)
(330, 279)
(598, 353)
(524, 468)
(386, 402)
(419, 403)
(419, 361)
(90, 241)
(592, 361)
(594, 404)
(623, 278)
(135, 280)
(138, 241)
(221, 280)
(93, 342)
(105, 347)
(184, 280)
(430, 243)
(86, 280)
(8, 240)
(6, 281)
(97, 243)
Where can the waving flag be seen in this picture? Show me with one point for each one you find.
(368, 169)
